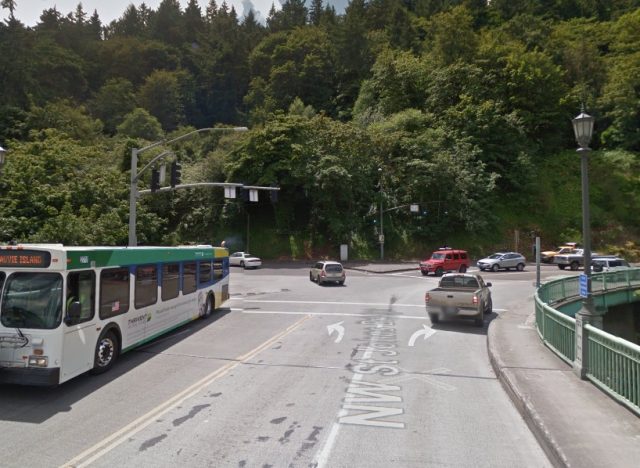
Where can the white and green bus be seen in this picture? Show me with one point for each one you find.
(68, 310)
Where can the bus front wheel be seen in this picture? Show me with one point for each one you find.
(106, 353)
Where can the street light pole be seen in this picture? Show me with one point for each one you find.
(381, 235)
(133, 186)
(3, 153)
(583, 129)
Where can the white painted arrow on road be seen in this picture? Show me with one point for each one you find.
(427, 332)
(336, 327)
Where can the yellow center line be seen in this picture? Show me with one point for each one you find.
(109, 443)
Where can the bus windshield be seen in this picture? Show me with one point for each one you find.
(32, 300)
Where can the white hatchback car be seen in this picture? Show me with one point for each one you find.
(244, 260)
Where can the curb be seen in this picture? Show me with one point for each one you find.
(522, 403)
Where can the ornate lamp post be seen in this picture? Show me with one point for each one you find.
(583, 129)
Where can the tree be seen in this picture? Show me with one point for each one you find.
(9, 5)
(166, 22)
(68, 119)
(161, 96)
(140, 124)
(115, 99)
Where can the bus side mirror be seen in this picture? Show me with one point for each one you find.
(73, 313)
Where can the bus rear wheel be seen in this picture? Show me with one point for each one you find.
(106, 353)
(208, 308)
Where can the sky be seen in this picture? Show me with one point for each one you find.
(29, 11)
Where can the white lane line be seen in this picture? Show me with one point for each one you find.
(323, 456)
(109, 443)
(382, 304)
(329, 314)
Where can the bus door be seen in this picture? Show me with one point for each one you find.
(80, 334)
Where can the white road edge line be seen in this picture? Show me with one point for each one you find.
(109, 443)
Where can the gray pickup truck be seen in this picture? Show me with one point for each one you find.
(459, 295)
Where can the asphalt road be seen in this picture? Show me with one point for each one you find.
(289, 374)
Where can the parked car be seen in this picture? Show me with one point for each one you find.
(502, 260)
(609, 263)
(327, 271)
(244, 260)
(548, 255)
(445, 259)
(461, 295)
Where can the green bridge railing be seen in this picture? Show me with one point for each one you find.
(613, 364)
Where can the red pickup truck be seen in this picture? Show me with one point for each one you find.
(445, 259)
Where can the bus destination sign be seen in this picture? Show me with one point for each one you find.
(24, 259)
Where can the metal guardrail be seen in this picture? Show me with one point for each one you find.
(613, 363)
(614, 366)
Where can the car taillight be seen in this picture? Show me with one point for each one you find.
(427, 297)
(323, 274)
(475, 299)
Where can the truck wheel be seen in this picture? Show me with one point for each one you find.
(439, 271)
(435, 318)
(562, 267)
(489, 308)
(520, 266)
(463, 269)
(495, 267)
(574, 266)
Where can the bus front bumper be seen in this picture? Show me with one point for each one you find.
(42, 377)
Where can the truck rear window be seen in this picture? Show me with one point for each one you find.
(459, 282)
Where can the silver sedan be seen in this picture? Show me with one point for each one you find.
(502, 260)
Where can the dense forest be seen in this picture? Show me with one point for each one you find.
(461, 106)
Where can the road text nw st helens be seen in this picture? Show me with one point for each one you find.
(371, 403)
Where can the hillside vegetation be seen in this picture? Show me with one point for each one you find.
(460, 106)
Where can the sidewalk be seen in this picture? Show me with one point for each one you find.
(576, 424)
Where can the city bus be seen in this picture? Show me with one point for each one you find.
(68, 310)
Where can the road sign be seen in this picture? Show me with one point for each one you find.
(584, 286)
(381, 238)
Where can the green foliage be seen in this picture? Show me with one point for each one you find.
(58, 190)
(140, 124)
(114, 100)
(464, 105)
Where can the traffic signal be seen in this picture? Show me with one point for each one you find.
(273, 195)
(176, 173)
(155, 180)
(244, 194)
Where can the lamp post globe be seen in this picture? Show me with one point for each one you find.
(583, 129)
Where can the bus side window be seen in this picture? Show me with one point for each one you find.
(218, 270)
(189, 277)
(81, 287)
(146, 286)
(114, 292)
(205, 272)
(170, 281)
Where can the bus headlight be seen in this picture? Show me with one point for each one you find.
(38, 361)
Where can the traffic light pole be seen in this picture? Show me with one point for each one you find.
(135, 174)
